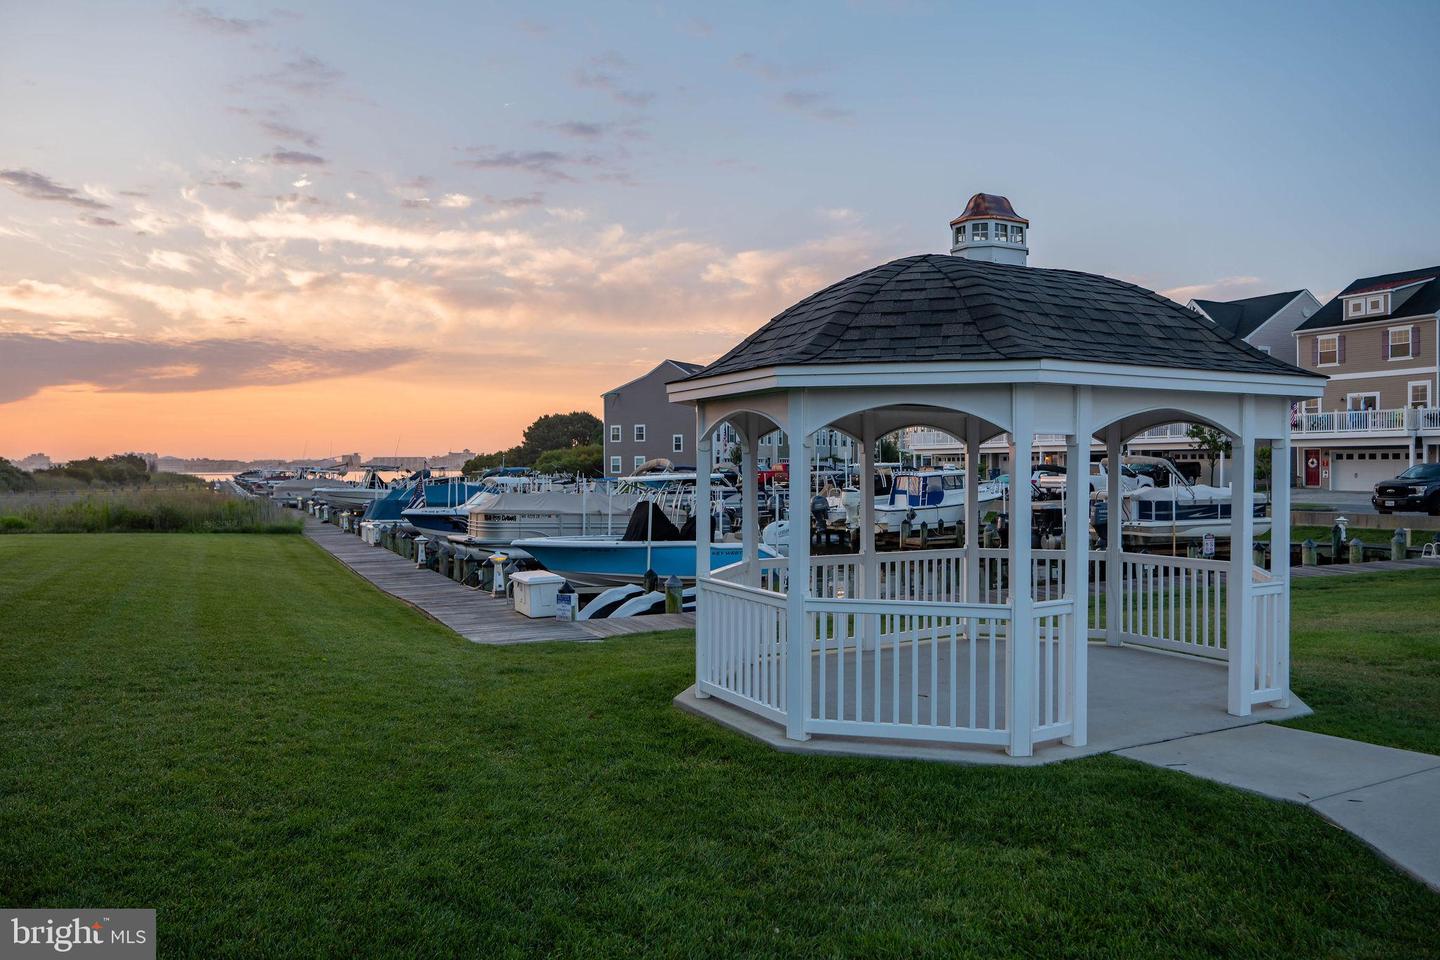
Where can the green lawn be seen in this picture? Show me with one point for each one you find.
(234, 730)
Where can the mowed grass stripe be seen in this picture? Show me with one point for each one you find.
(285, 762)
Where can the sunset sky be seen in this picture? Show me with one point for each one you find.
(243, 230)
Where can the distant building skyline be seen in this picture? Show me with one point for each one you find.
(238, 230)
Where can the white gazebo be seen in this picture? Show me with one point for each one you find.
(951, 646)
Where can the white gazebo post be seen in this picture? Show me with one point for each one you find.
(1240, 613)
(749, 503)
(972, 519)
(870, 563)
(1114, 563)
(1020, 644)
(702, 541)
(1280, 554)
(797, 654)
(1077, 564)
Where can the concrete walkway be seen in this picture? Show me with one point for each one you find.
(473, 614)
(1388, 798)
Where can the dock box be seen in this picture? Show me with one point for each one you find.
(535, 592)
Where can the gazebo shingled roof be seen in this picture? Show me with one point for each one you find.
(934, 307)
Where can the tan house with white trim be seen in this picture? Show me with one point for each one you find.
(1378, 342)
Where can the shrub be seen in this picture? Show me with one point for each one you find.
(167, 509)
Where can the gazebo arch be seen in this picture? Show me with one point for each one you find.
(969, 645)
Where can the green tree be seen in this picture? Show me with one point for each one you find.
(889, 450)
(558, 431)
(586, 461)
(13, 479)
(1211, 442)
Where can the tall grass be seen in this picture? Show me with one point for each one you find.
(164, 510)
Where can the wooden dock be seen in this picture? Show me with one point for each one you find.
(473, 614)
(1373, 566)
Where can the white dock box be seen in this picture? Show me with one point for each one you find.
(535, 592)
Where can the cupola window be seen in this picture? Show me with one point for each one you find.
(1017, 234)
(960, 233)
(980, 231)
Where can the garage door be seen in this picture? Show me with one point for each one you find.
(1354, 470)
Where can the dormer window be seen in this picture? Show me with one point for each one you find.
(1357, 308)
(980, 231)
(1375, 305)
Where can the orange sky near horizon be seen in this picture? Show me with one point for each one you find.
(400, 411)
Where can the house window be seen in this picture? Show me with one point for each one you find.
(677, 443)
(1374, 305)
(1311, 406)
(615, 465)
(639, 433)
(1419, 393)
(1362, 401)
(1329, 350)
(615, 433)
(1357, 307)
(980, 231)
(639, 462)
(1017, 234)
(1399, 344)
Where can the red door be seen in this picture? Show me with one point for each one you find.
(1312, 468)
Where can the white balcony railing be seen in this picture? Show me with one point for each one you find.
(1351, 422)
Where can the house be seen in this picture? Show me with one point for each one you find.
(642, 424)
(1377, 342)
(1266, 321)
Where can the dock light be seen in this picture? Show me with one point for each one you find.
(497, 579)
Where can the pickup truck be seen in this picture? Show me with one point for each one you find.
(1417, 490)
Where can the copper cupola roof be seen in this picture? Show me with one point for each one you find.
(989, 206)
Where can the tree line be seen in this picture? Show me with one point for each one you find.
(555, 443)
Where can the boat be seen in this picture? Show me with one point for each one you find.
(301, 486)
(437, 505)
(353, 496)
(1174, 510)
(651, 542)
(499, 517)
(935, 498)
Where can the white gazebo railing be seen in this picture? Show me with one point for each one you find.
(907, 657)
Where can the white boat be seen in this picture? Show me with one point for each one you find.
(1174, 510)
(496, 518)
(302, 487)
(352, 496)
(935, 498)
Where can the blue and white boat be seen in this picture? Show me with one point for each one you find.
(607, 561)
(439, 505)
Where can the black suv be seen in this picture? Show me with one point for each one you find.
(1417, 489)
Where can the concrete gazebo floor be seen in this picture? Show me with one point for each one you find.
(1137, 697)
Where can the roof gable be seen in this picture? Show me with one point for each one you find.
(677, 370)
(934, 307)
(1240, 318)
(1423, 299)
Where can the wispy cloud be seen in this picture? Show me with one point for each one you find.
(37, 186)
(816, 104)
(208, 19)
(1226, 288)
(30, 363)
(295, 158)
(606, 73)
(304, 74)
(96, 221)
(274, 122)
(547, 164)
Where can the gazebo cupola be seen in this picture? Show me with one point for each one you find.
(975, 644)
(990, 229)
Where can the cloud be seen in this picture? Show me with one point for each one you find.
(29, 363)
(295, 158)
(1226, 288)
(95, 221)
(225, 182)
(171, 260)
(528, 200)
(305, 74)
(455, 201)
(604, 73)
(814, 103)
(583, 130)
(36, 298)
(547, 164)
(275, 123)
(37, 186)
(208, 19)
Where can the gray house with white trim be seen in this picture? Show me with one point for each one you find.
(642, 424)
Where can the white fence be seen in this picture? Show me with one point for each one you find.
(1353, 421)
(916, 659)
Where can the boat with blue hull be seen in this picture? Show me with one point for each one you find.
(439, 505)
(606, 561)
